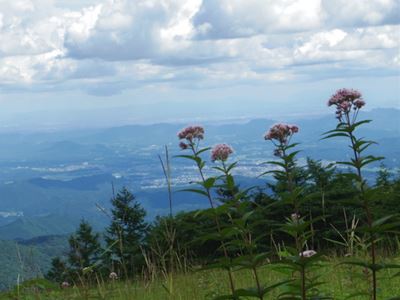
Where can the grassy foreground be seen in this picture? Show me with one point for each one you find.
(341, 281)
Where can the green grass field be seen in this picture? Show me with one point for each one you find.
(341, 281)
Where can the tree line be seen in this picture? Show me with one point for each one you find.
(128, 240)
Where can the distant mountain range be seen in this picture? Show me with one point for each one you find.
(50, 180)
(28, 259)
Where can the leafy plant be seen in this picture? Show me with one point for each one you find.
(192, 136)
(299, 260)
(348, 103)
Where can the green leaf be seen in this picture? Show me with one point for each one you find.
(198, 213)
(201, 192)
(355, 263)
(336, 242)
(335, 135)
(290, 157)
(291, 146)
(260, 258)
(203, 150)
(219, 169)
(271, 287)
(230, 231)
(337, 129)
(230, 182)
(275, 162)
(383, 220)
(209, 183)
(346, 163)
(247, 215)
(355, 125)
(370, 159)
(247, 292)
(191, 157)
(275, 172)
(233, 165)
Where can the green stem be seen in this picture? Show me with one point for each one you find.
(231, 282)
(247, 242)
(303, 283)
(357, 156)
(299, 245)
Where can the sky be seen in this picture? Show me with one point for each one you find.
(87, 63)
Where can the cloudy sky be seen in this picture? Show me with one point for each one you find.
(105, 62)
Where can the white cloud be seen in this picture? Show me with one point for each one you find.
(126, 30)
(361, 13)
(229, 19)
(201, 43)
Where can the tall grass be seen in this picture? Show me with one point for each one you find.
(199, 285)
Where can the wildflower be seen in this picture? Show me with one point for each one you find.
(65, 285)
(183, 145)
(113, 276)
(295, 217)
(294, 128)
(345, 100)
(191, 133)
(281, 132)
(344, 95)
(344, 106)
(221, 152)
(358, 103)
(307, 253)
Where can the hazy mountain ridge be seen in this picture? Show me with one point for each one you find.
(28, 259)
(69, 173)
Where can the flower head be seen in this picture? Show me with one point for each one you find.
(295, 217)
(183, 145)
(113, 276)
(190, 134)
(281, 132)
(65, 285)
(307, 253)
(345, 100)
(221, 152)
(358, 103)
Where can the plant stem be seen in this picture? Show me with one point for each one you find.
(367, 210)
(303, 283)
(299, 246)
(247, 241)
(260, 295)
(231, 283)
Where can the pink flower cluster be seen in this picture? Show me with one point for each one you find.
(190, 134)
(307, 253)
(345, 100)
(295, 217)
(113, 276)
(221, 152)
(281, 132)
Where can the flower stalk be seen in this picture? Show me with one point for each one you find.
(192, 136)
(348, 103)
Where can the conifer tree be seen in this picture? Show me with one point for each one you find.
(58, 271)
(383, 177)
(125, 234)
(84, 249)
